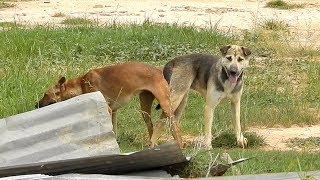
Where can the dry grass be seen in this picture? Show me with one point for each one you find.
(17, 0)
(6, 5)
(58, 14)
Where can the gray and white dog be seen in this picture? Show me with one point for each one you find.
(215, 78)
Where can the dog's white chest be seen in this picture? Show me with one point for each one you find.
(228, 87)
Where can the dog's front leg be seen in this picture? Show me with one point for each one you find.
(212, 100)
(235, 109)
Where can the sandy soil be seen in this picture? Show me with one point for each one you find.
(275, 137)
(238, 14)
(231, 15)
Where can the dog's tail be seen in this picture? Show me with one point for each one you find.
(167, 73)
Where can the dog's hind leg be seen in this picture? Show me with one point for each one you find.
(235, 110)
(180, 83)
(146, 99)
(181, 107)
(161, 93)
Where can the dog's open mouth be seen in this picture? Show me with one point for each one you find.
(233, 76)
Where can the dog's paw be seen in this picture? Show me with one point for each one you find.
(242, 141)
(207, 145)
(152, 145)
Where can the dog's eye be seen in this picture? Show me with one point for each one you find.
(240, 59)
(229, 58)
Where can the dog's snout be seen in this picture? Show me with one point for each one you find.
(233, 70)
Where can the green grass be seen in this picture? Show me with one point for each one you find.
(228, 139)
(305, 143)
(274, 25)
(280, 4)
(77, 21)
(6, 25)
(281, 88)
(263, 162)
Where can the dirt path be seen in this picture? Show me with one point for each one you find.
(275, 137)
(238, 14)
(231, 15)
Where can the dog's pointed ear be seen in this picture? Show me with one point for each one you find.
(61, 81)
(61, 84)
(246, 51)
(225, 49)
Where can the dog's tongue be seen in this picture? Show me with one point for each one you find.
(233, 79)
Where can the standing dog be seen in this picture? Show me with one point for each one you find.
(214, 78)
(119, 83)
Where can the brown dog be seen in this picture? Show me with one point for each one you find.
(119, 83)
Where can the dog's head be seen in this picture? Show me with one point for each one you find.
(53, 94)
(235, 59)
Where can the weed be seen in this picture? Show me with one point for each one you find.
(6, 5)
(77, 21)
(58, 14)
(228, 139)
(280, 4)
(274, 25)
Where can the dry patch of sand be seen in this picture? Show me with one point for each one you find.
(276, 138)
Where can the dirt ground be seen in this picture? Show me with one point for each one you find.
(231, 15)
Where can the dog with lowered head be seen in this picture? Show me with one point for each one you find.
(215, 78)
(119, 83)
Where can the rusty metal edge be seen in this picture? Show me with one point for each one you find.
(165, 154)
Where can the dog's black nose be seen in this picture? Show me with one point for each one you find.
(233, 72)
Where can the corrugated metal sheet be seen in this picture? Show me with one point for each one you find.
(165, 154)
(155, 174)
(76, 128)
